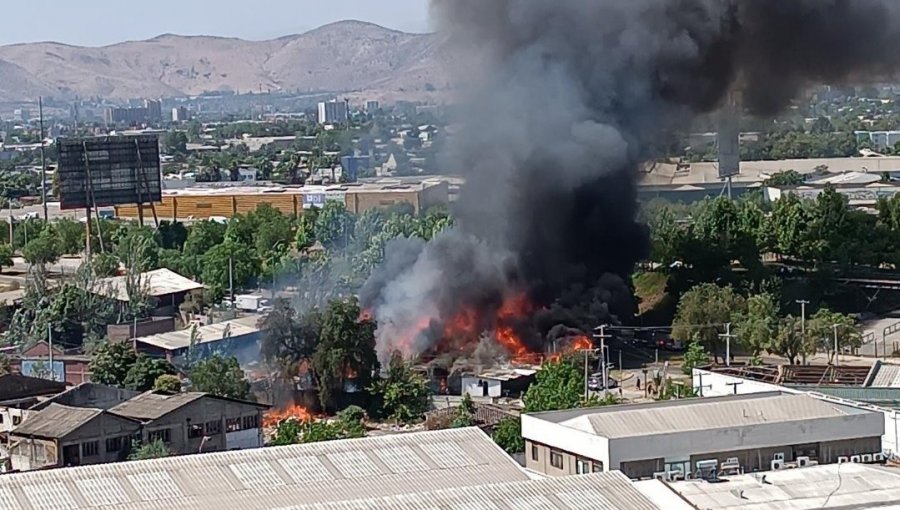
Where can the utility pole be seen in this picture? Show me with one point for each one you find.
(803, 303)
(836, 360)
(231, 279)
(727, 336)
(43, 162)
(50, 348)
(602, 336)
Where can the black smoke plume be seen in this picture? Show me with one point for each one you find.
(563, 101)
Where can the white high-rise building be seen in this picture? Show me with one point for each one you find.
(180, 114)
(333, 112)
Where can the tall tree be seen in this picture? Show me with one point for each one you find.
(557, 386)
(145, 371)
(702, 312)
(203, 236)
(403, 393)
(221, 377)
(757, 327)
(111, 364)
(288, 337)
(334, 225)
(822, 327)
(346, 349)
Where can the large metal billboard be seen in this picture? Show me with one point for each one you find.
(109, 170)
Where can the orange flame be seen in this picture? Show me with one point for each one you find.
(275, 416)
(574, 344)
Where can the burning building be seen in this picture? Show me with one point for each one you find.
(567, 100)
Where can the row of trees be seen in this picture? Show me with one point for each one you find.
(709, 235)
(758, 326)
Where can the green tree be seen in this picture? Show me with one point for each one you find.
(334, 225)
(465, 413)
(175, 142)
(139, 249)
(756, 328)
(111, 364)
(203, 236)
(557, 386)
(348, 425)
(508, 435)
(145, 371)
(306, 230)
(172, 235)
(789, 342)
(105, 265)
(6, 256)
(154, 450)
(346, 348)
(245, 265)
(221, 377)
(702, 311)
(288, 338)
(787, 178)
(44, 249)
(70, 235)
(822, 327)
(167, 383)
(695, 356)
(403, 393)
(790, 222)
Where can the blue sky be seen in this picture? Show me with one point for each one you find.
(101, 22)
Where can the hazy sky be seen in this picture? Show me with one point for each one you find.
(101, 22)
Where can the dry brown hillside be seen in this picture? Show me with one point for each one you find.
(342, 57)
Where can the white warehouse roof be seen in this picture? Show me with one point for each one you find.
(699, 414)
(836, 486)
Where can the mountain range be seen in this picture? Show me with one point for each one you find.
(348, 56)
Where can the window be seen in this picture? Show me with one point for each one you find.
(1, 418)
(213, 427)
(556, 459)
(582, 466)
(204, 205)
(195, 431)
(90, 449)
(17, 420)
(598, 467)
(164, 435)
(232, 424)
(113, 444)
(251, 422)
(534, 452)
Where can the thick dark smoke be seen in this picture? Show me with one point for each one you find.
(563, 102)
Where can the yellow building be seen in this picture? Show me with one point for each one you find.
(203, 203)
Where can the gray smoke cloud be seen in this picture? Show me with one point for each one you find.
(563, 101)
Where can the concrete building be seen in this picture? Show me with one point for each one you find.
(880, 140)
(19, 393)
(180, 114)
(59, 436)
(333, 112)
(498, 382)
(149, 113)
(195, 422)
(754, 432)
(37, 361)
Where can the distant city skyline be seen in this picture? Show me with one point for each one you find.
(105, 22)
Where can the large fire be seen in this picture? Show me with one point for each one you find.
(275, 416)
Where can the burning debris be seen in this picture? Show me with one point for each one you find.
(568, 99)
(273, 417)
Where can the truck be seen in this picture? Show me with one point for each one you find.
(251, 303)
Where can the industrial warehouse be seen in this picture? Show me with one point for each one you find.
(685, 438)
(208, 202)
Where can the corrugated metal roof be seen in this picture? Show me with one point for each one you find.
(275, 477)
(151, 405)
(160, 282)
(888, 376)
(174, 340)
(703, 414)
(845, 486)
(598, 491)
(56, 421)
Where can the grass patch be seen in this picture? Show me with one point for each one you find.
(650, 289)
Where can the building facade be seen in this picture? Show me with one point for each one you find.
(333, 112)
(757, 432)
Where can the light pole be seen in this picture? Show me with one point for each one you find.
(275, 251)
(803, 303)
(836, 359)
